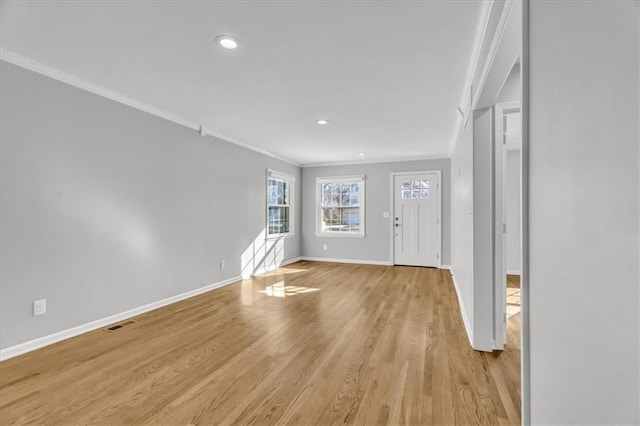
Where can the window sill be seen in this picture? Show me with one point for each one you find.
(339, 235)
(279, 236)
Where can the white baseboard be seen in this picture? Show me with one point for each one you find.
(357, 261)
(40, 342)
(465, 319)
(512, 272)
(445, 267)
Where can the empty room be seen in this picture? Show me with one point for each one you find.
(320, 212)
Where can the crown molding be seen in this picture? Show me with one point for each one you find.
(72, 80)
(386, 160)
(493, 49)
(478, 42)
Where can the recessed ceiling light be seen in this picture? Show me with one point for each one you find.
(323, 122)
(228, 42)
(362, 154)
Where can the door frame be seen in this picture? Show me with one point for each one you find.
(392, 207)
(500, 148)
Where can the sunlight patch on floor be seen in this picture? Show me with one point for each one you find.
(282, 271)
(513, 301)
(280, 290)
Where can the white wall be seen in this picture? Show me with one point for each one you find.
(106, 208)
(512, 89)
(472, 226)
(483, 229)
(472, 175)
(462, 223)
(512, 204)
(584, 188)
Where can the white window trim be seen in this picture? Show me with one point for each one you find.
(333, 179)
(292, 186)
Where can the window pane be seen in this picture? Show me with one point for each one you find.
(284, 227)
(287, 195)
(335, 195)
(327, 219)
(415, 184)
(406, 193)
(285, 192)
(277, 191)
(272, 191)
(280, 198)
(340, 219)
(424, 193)
(326, 194)
(278, 220)
(351, 218)
(335, 188)
(355, 194)
(336, 216)
(332, 220)
(415, 193)
(337, 219)
(406, 184)
(424, 184)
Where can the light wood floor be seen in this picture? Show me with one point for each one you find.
(513, 313)
(312, 343)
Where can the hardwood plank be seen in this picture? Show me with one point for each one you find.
(311, 343)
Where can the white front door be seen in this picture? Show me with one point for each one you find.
(416, 219)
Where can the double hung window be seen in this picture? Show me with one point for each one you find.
(279, 204)
(340, 206)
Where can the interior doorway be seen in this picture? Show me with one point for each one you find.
(496, 100)
(416, 224)
(508, 240)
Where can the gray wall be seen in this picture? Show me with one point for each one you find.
(376, 245)
(583, 217)
(106, 208)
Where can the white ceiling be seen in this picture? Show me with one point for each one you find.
(386, 74)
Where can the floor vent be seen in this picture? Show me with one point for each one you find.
(119, 326)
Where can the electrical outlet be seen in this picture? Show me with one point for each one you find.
(222, 264)
(324, 247)
(385, 215)
(39, 307)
